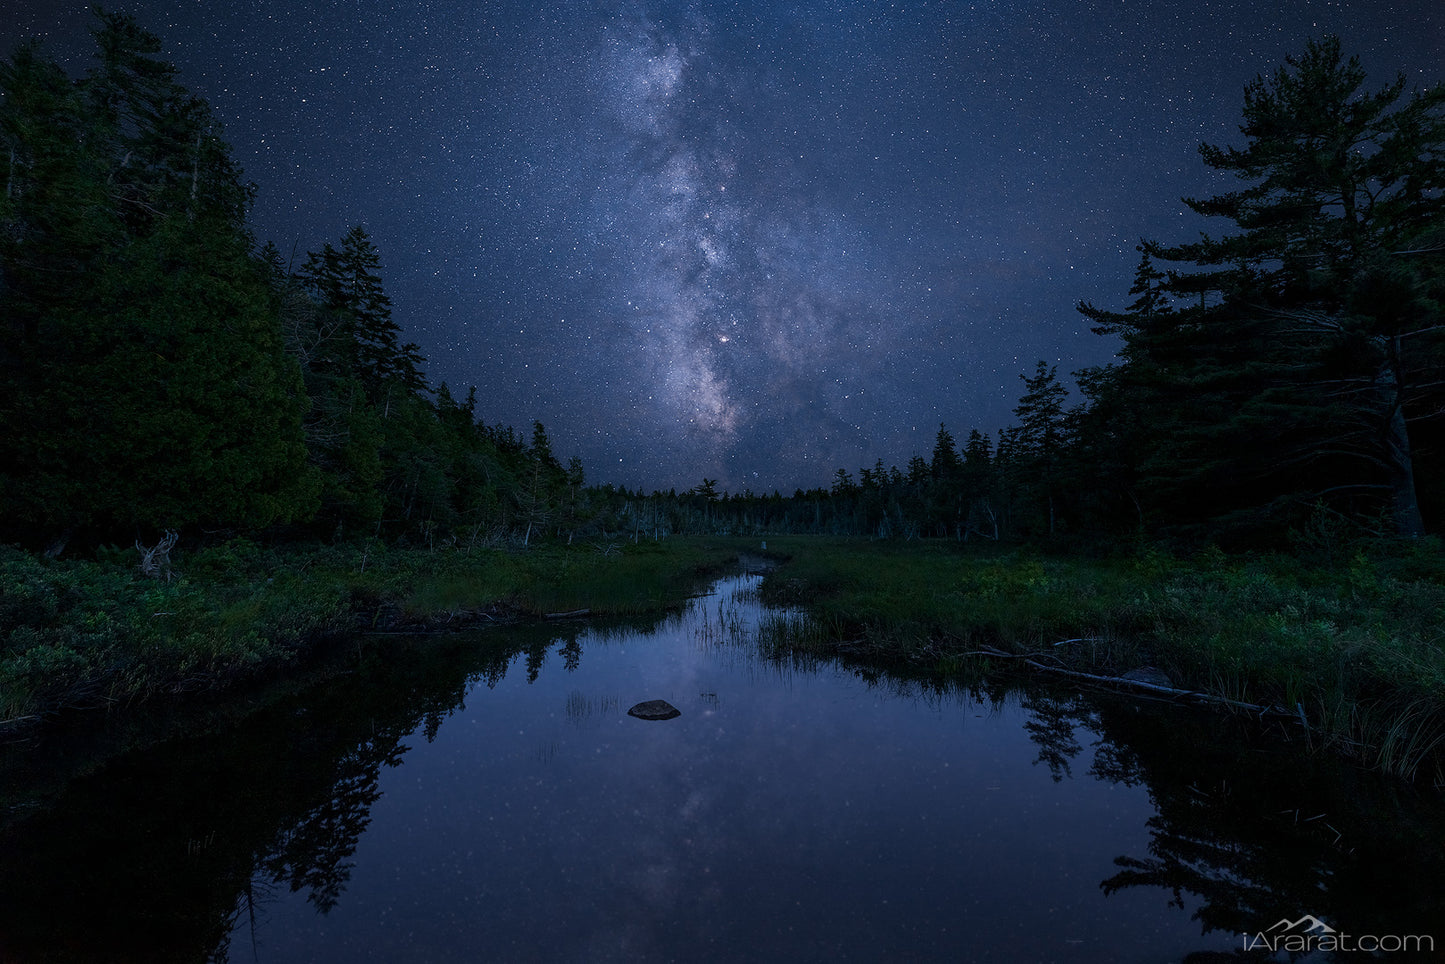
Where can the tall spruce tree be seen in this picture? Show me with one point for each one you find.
(163, 147)
(347, 282)
(946, 508)
(57, 219)
(979, 483)
(371, 425)
(1041, 437)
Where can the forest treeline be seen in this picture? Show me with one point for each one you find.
(160, 370)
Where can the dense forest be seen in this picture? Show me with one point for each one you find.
(160, 370)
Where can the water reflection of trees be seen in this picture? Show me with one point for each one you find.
(161, 856)
(158, 856)
(314, 854)
(1050, 725)
(1254, 832)
(1247, 826)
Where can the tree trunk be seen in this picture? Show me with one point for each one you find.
(1400, 466)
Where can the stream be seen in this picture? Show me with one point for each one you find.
(486, 797)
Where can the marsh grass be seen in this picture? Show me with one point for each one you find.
(85, 633)
(627, 580)
(786, 634)
(1356, 650)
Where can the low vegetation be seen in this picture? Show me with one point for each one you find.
(100, 632)
(1355, 650)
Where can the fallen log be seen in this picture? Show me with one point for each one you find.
(1172, 691)
(1139, 684)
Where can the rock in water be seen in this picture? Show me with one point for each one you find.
(654, 710)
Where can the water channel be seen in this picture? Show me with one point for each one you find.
(486, 797)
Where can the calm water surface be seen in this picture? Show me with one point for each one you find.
(494, 801)
(800, 814)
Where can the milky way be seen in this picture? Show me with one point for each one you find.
(748, 241)
(746, 321)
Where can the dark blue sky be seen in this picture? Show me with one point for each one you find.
(751, 241)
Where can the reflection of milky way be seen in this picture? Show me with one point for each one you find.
(741, 306)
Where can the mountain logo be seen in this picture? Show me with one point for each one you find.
(1313, 925)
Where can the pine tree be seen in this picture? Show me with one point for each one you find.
(189, 410)
(542, 485)
(706, 490)
(55, 211)
(162, 144)
(1155, 427)
(979, 481)
(1041, 435)
(347, 283)
(541, 453)
(945, 463)
(1304, 346)
(1040, 412)
(144, 382)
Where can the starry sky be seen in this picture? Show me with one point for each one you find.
(752, 241)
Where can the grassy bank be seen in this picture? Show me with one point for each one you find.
(1359, 645)
(99, 633)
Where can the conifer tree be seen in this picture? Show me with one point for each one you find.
(945, 505)
(347, 282)
(945, 463)
(161, 143)
(1304, 348)
(979, 480)
(1040, 440)
(144, 382)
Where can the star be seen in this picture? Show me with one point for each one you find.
(657, 227)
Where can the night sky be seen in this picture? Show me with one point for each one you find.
(752, 241)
